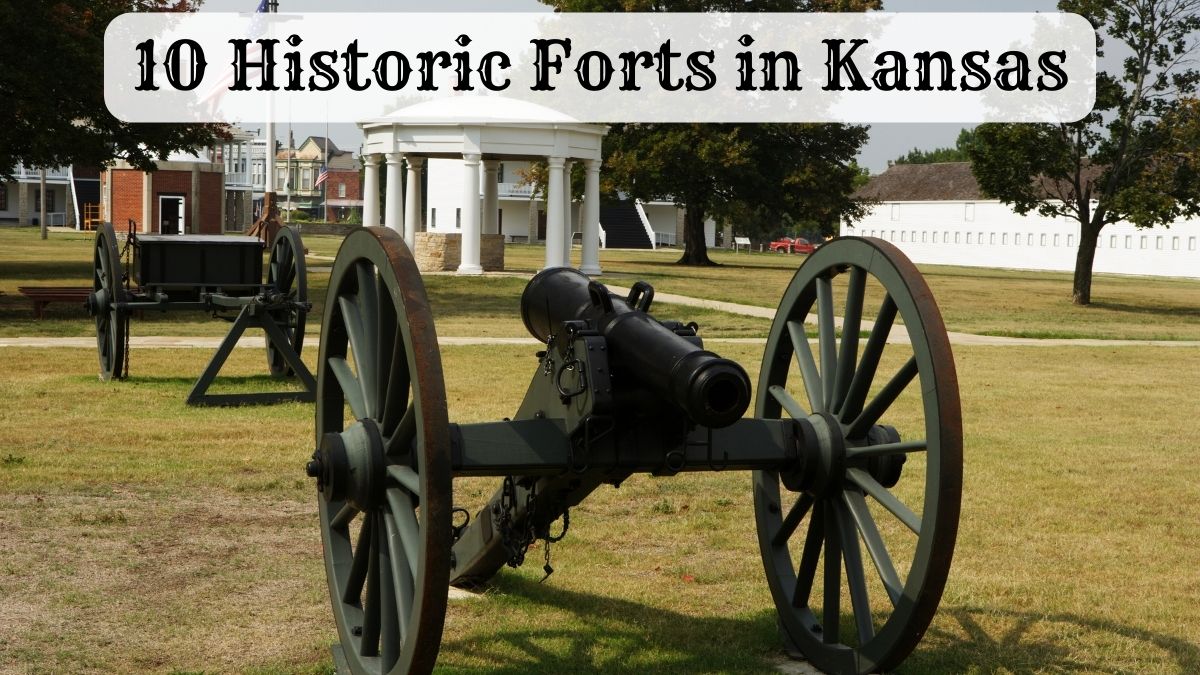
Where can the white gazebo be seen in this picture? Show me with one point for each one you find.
(484, 130)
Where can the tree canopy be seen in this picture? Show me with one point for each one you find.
(1134, 158)
(959, 153)
(52, 89)
(750, 175)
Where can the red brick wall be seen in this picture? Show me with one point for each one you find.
(349, 178)
(127, 198)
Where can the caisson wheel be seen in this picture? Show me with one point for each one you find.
(383, 458)
(112, 325)
(286, 275)
(857, 544)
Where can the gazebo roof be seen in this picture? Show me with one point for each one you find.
(491, 126)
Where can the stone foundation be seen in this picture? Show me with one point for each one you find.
(442, 252)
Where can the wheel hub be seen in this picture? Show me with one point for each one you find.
(822, 463)
(97, 302)
(350, 466)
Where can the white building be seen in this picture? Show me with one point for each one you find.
(936, 214)
(68, 190)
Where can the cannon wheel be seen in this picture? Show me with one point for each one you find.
(379, 369)
(824, 526)
(112, 325)
(286, 275)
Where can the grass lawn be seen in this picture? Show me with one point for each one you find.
(142, 535)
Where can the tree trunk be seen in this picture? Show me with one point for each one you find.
(1081, 290)
(695, 249)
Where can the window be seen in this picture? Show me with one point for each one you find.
(969, 212)
(306, 179)
(433, 219)
(968, 237)
(956, 236)
(1145, 242)
(1029, 240)
(1042, 241)
(1158, 243)
(992, 239)
(341, 189)
(924, 237)
(903, 235)
(980, 239)
(1128, 241)
(1016, 239)
(1174, 243)
(1071, 240)
(1191, 243)
(914, 236)
(895, 212)
(1004, 239)
(457, 219)
(1056, 239)
(37, 200)
(1112, 241)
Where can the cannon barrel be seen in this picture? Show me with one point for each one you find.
(713, 391)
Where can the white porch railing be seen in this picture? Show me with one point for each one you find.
(514, 190)
(603, 238)
(22, 172)
(239, 179)
(664, 239)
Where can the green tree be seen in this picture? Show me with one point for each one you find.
(52, 110)
(1134, 157)
(959, 153)
(747, 174)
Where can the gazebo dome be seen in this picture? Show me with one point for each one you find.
(475, 110)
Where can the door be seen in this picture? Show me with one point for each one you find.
(170, 214)
(541, 225)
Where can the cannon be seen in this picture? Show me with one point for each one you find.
(211, 273)
(855, 447)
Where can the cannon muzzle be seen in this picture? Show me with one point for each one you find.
(711, 390)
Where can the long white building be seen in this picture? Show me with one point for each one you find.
(936, 214)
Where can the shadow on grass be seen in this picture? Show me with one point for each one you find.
(606, 635)
(1149, 308)
(1036, 641)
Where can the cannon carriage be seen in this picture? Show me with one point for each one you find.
(851, 514)
(216, 274)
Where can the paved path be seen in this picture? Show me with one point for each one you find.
(897, 335)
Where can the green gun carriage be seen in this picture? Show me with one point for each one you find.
(856, 522)
(216, 274)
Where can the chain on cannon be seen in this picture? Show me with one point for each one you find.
(854, 447)
(216, 274)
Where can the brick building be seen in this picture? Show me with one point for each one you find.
(184, 196)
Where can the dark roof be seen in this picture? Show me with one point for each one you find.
(954, 181)
(321, 141)
(947, 181)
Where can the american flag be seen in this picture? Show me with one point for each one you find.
(255, 29)
(321, 176)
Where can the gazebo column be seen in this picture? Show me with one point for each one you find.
(412, 201)
(491, 197)
(590, 259)
(470, 216)
(568, 228)
(371, 190)
(393, 208)
(554, 213)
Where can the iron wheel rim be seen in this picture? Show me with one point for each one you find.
(111, 324)
(286, 274)
(405, 635)
(914, 600)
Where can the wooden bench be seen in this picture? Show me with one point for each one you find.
(739, 242)
(41, 296)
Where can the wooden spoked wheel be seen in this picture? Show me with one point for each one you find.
(868, 523)
(112, 325)
(286, 276)
(383, 458)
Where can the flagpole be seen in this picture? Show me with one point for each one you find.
(325, 166)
